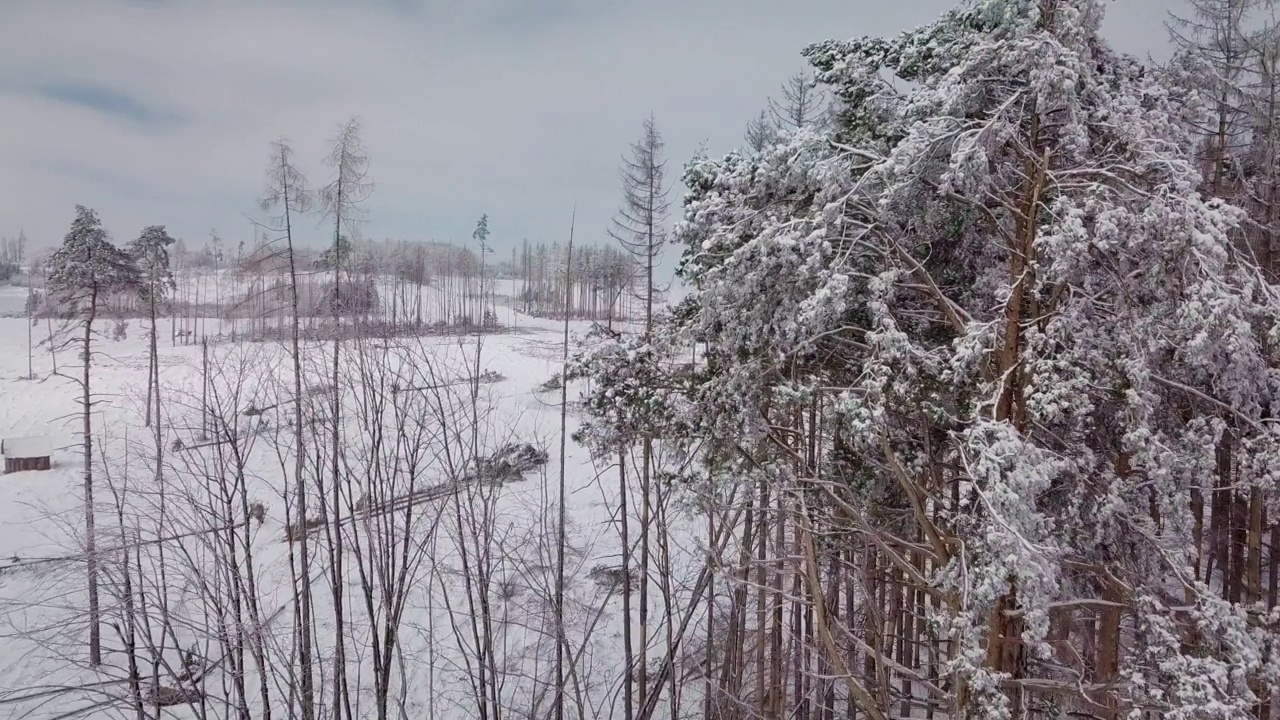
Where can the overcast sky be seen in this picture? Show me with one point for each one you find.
(161, 111)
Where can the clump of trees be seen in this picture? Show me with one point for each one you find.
(599, 285)
(355, 297)
(998, 445)
(13, 255)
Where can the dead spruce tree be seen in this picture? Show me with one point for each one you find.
(83, 275)
(1229, 52)
(1215, 33)
(803, 105)
(760, 132)
(640, 226)
(286, 194)
(340, 201)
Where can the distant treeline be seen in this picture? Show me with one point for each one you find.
(390, 282)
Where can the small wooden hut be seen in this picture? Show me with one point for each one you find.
(26, 453)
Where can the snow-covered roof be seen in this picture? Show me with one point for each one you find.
(27, 447)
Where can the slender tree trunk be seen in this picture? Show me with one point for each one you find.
(1108, 658)
(302, 594)
(560, 501)
(736, 655)
(131, 621)
(204, 390)
(1220, 519)
(777, 681)
(91, 555)
(628, 652)
(157, 438)
(342, 700)
(642, 675)
(1238, 533)
(708, 658)
(1197, 531)
(668, 602)
(153, 365)
(1253, 579)
(762, 576)
(31, 371)
(151, 374)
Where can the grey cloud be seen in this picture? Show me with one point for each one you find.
(104, 100)
(509, 107)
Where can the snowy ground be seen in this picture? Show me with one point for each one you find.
(42, 573)
(13, 301)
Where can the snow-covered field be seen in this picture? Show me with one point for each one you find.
(13, 302)
(506, 529)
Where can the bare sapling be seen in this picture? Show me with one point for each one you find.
(640, 228)
(397, 512)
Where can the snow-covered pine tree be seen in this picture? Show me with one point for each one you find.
(150, 251)
(480, 235)
(82, 275)
(1015, 336)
